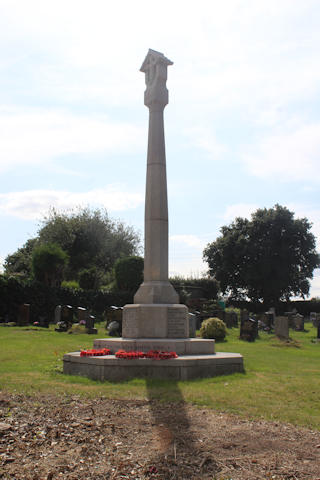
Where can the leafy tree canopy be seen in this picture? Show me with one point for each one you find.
(48, 263)
(268, 258)
(89, 237)
(20, 261)
(129, 273)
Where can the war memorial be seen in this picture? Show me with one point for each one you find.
(156, 320)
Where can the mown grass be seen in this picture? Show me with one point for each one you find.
(281, 382)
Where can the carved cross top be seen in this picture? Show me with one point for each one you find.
(155, 68)
(152, 66)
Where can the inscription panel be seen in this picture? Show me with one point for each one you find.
(130, 323)
(177, 323)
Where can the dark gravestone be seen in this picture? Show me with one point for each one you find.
(23, 315)
(281, 327)
(317, 321)
(82, 315)
(263, 322)
(291, 316)
(66, 319)
(43, 321)
(192, 325)
(57, 314)
(114, 315)
(313, 318)
(234, 317)
(299, 322)
(90, 324)
(248, 327)
(228, 320)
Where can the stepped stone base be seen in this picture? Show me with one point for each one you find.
(182, 346)
(182, 368)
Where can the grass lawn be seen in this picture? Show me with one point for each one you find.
(281, 383)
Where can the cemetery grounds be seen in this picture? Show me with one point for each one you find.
(263, 424)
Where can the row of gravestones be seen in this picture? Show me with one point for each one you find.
(281, 324)
(63, 318)
(23, 317)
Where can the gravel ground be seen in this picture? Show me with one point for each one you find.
(51, 437)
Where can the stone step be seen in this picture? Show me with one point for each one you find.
(184, 367)
(182, 346)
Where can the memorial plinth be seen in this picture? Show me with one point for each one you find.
(156, 320)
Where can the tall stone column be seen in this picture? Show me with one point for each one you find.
(156, 287)
(156, 312)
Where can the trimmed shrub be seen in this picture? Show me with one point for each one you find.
(213, 328)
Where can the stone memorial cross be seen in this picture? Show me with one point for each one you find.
(156, 287)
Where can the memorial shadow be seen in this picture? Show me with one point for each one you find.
(178, 450)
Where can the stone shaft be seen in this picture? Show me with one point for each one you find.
(156, 288)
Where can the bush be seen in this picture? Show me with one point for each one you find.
(73, 284)
(88, 278)
(213, 328)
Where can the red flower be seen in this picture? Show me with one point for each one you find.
(154, 354)
(95, 352)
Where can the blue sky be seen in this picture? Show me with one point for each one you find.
(242, 124)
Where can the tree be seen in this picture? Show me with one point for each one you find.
(88, 278)
(89, 237)
(48, 263)
(20, 261)
(269, 258)
(129, 273)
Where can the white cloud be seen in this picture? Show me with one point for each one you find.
(315, 285)
(33, 204)
(187, 240)
(38, 136)
(205, 139)
(243, 210)
(186, 255)
(287, 156)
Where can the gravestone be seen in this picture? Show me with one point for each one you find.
(281, 327)
(90, 319)
(270, 317)
(299, 322)
(234, 318)
(228, 319)
(82, 315)
(313, 318)
(192, 325)
(248, 327)
(23, 315)
(66, 319)
(57, 314)
(290, 316)
(317, 324)
(263, 322)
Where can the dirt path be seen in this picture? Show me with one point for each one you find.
(48, 438)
